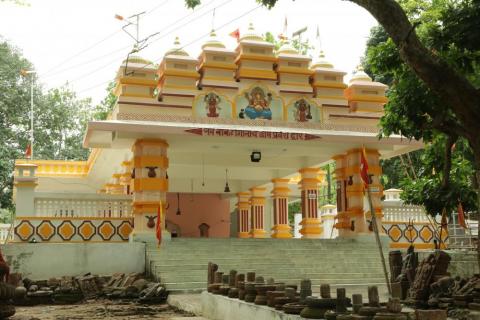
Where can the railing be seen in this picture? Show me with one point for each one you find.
(70, 208)
(4, 232)
(402, 212)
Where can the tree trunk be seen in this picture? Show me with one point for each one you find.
(477, 174)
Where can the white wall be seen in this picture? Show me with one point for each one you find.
(44, 260)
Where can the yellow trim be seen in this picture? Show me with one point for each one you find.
(295, 70)
(136, 95)
(150, 184)
(329, 84)
(257, 74)
(180, 73)
(243, 235)
(295, 84)
(367, 151)
(25, 184)
(151, 142)
(312, 170)
(256, 57)
(258, 233)
(365, 98)
(70, 218)
(373, 169)
(138, 81)
(339, 97)
(151, 161)
(232, 79)
(218, 65)
(424, 223)
(176, 86)
(404, 245)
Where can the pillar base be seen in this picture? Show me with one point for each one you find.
(243, 235)
(311, 228)
(149, 237)
(258, 233)
(281, 231)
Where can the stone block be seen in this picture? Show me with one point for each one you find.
(431, 314)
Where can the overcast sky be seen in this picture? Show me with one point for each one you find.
(51, 32)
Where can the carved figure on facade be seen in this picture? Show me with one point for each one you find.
(212, 107)
(258, 104)
(302, 111)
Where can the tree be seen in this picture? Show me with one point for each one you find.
(60, 120)
(457, 111)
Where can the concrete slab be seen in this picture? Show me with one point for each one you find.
(188, 318)
(217, 307)
(39, 261)
(191, 303)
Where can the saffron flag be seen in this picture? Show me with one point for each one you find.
(461, 216)
(235, 34)
(158, 227)
(28, 151)
(364, 167)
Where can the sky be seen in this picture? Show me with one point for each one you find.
(80, 42)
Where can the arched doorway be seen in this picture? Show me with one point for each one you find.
(173, 228)
(204, 230)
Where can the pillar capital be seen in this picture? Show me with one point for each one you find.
(25, 182)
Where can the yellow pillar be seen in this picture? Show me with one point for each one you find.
(257, 200)
(311, 223)
(281, 228)
(150, 186)
(353, 209)
(243, 206)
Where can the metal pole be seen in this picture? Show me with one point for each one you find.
(377, 237)
(138, 28)
(31, 117)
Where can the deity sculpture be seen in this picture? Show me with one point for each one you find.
(302, 112)
(258, 105)
(211, 105)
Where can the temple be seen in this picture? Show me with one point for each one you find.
(219, 145)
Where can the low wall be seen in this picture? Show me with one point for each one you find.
(216, 307)
(463, 263)
(45, 260)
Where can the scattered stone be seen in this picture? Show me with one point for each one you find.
(431, 314)
(305, 289)
(325, 291)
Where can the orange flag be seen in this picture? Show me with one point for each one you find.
(235, 34)
(461, 216)
(159, 224)
(28, 151)
(364, 167)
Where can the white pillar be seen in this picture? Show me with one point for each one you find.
(25, 184)
(297, 219)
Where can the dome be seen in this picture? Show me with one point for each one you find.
(251, 34)
(177, 49)
(360, 76)
(321, 62)
(287, 48)
(213, 41)
(137, 59)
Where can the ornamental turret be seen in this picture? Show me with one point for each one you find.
(328, 86)
(366, 98)
(255, 57)
(135, 78)
(217, 65)
(177, 77)
(293, 71)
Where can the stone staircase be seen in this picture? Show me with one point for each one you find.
(181, 264)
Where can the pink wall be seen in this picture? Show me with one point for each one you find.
(197, 209)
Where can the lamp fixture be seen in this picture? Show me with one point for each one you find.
(178, 204)
(227, 188)
(256, 156)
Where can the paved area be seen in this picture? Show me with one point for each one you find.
(102, 309)
(191, 303)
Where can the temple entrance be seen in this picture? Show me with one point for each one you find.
(204, 230)
(173, 228)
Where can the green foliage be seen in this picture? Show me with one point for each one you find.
(302, 46)
(413, 110)
(60, 119)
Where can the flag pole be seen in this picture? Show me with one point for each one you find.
(377, 237)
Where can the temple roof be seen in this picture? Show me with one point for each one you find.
(252, 35)
(177, 49)
(322, 62)
(213, 41)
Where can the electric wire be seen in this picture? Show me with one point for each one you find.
(97, 43)
(173, 26)
(182, 47)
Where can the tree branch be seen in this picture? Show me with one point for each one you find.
(453, 88)
(447, 167)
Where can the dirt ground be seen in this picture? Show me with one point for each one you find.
(98, 309)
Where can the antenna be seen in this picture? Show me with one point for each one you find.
(130, 22)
